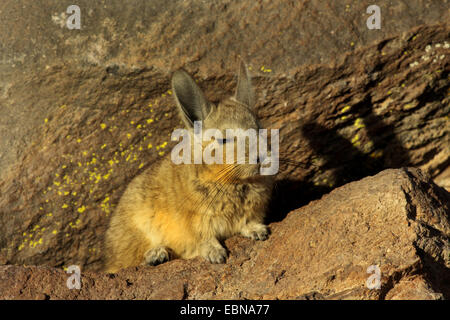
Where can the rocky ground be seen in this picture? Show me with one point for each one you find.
(83, 111)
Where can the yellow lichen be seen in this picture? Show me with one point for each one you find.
(345, 109)
(359, 123)
(376, 154)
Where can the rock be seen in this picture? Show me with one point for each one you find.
(397, 220)
(84, 111)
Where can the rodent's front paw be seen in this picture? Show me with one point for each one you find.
(215, 254)
(156, 256)
(256, 231)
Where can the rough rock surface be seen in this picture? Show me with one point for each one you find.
(84, 111)
(398, 220)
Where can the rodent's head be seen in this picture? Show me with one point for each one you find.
(234, 113)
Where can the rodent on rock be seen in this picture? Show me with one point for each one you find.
(186, 210)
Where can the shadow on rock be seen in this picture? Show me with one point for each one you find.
(344, 159)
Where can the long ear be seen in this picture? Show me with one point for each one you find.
(244, 90)
(189, 98)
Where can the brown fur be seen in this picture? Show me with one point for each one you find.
(184, 211)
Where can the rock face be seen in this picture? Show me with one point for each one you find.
(397, 221)
(84, 111)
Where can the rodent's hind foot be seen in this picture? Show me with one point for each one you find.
(255, 231)
(156, 256)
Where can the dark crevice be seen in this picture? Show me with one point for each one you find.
(436, 274)
(411, 209)
(396, 277)
(185, 291)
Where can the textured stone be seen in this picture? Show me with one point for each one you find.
(84, 111)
